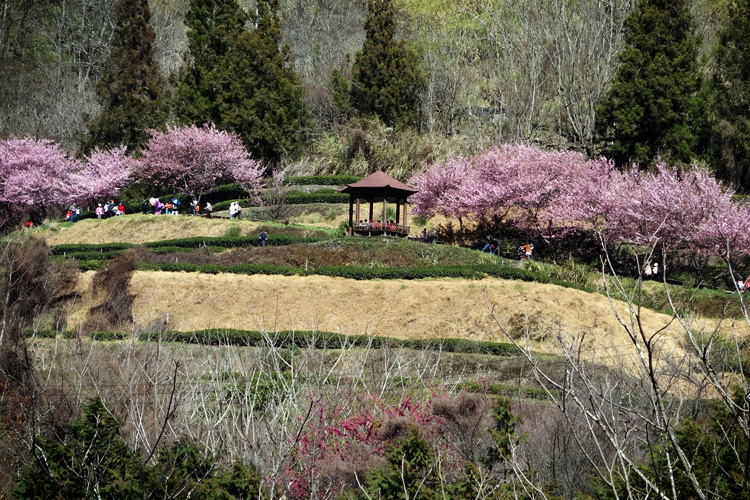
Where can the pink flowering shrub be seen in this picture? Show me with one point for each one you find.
(340, 446)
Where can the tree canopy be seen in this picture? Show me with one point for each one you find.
(386, 77)
(131, 90)
(651, 110)
(240, 79)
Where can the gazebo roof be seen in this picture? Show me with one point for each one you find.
(379, 185)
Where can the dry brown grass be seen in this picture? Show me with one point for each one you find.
(395, 308)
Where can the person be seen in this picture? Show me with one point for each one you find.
(67, 215)
(529, 251)
(238, 210)
(209, 208)
(262, 238)
(99, 211)
(433, 235)
(232, 210)
(489, 245)
(168, 208)
(144, 207)
(655, 270)
(176, 206)
(157, 207)
(194, 206)
(423, 235)
(121, 208)
(109, 211)
(740, 283)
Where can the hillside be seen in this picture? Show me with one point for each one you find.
(429, 308)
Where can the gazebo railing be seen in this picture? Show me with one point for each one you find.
(380, 228)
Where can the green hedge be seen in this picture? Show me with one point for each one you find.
(293, 198)
(322, 180)
(476, 271)
(108, 250)
(287, 339)
(89, 247)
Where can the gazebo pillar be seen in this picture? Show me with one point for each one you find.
(351, 214)
(398, 210)
(385, 210)
(358, 218)
(372, 201)
(406, 210)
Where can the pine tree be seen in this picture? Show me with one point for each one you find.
(240, 78)
(211, 26)
(730, 85)
(651, 110)
(387, 80)
(265, 107)
(131, 89)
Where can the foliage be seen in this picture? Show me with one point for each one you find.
(386, 78)
(193, 160)
(91, 459)
(651, 110)
(264, 107)
(730, 134)
(38, 176)
(131, 90)
(323, 180)
(555, 194)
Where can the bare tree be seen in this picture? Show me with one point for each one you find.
(628, 412)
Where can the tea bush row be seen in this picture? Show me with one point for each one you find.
(298, 339)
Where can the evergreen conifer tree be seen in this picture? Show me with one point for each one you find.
(730, 133)
(386, 78)
(240, 79)
(131, 89)
(212, 25)
(651, 109)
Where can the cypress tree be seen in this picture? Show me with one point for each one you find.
(131, 89)
(386, 78)
(730, 85)
(240, 79)
(651, 108)
(212, 25)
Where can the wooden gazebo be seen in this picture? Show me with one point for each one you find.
(378, 187)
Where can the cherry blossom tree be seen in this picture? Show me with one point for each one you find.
(102, 174)
(37, 176)
(32, 177)
(193, 160)
(440, 189)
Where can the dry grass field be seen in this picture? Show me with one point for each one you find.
(436, 308)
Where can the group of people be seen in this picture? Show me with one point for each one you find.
(172, 207)
(235, 210)
(102, 211)
(426, 235)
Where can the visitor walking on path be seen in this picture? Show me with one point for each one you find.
(262, 238)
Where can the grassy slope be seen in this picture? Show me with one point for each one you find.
(426, 308)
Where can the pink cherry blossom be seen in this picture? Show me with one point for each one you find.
(193, 160)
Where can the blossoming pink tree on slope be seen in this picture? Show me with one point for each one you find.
(32, 177)
(518, 183)
(102, 174)
(194, 160)
(440, 189)
(37, 175)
